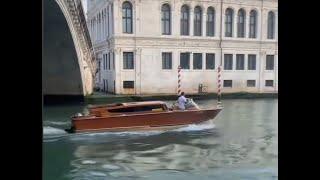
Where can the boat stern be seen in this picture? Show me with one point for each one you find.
(73, 118)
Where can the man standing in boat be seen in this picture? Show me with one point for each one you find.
(182, 101)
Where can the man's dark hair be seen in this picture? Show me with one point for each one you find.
(182, 93)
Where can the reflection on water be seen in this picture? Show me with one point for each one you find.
(241, 144)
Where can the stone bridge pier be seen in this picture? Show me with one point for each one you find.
(68, 63)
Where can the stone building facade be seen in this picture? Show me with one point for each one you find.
(139, 45)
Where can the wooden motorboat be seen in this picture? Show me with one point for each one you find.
(134, 116)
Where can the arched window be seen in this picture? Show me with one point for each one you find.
(253, 24)
(99, 26)
(102, 24)
(107, 23)
(184, 21)
(228, 22)
(127, 17)
(93, 29)
(210, 21)
(197, 21)
(241, 23)
(270, 25)
(166, 19)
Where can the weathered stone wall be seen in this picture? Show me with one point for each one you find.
(147, 43)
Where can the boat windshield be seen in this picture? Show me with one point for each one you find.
(190, 104)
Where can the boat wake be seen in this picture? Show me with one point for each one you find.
(196, 127)
(111, 135)
(53, 134)
(47, 130)
(191, 127)
(59, 123)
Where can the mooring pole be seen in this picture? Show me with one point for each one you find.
(220, 65)
(179, 80)
(219, 85)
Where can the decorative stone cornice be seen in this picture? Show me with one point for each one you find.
(189, 43)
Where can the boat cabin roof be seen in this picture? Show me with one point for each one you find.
(143, 103)
(129, 107)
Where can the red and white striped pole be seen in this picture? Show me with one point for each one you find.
(219, 85)
(179, 80)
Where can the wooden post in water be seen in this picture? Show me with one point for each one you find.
(219, 85)
(220, 66)
(179, 80)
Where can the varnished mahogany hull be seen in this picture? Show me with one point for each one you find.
(153, 120)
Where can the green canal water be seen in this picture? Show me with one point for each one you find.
(240, 143)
